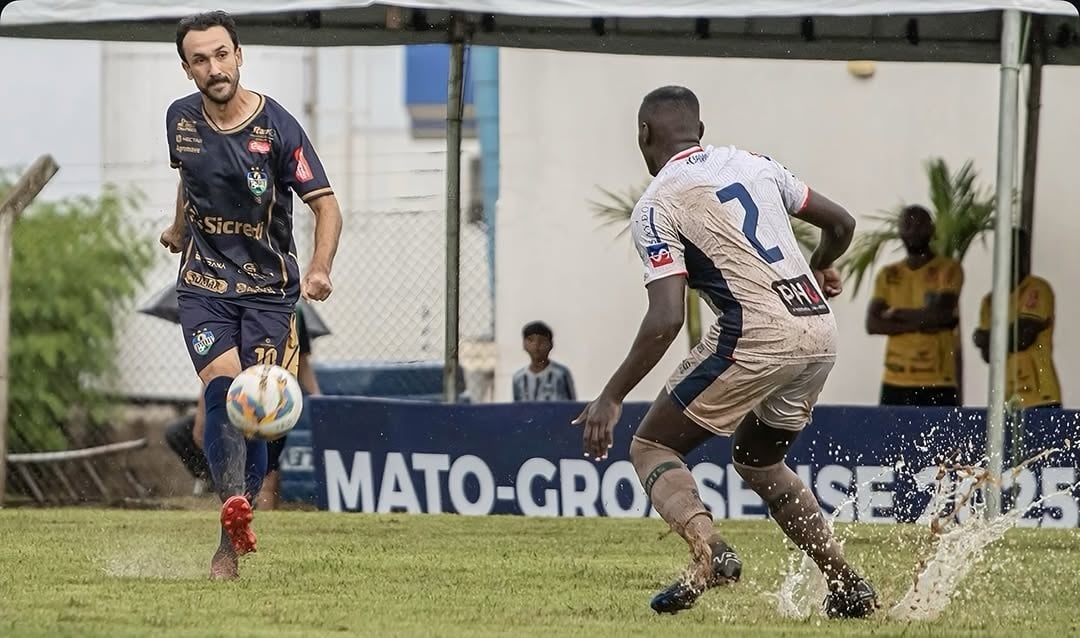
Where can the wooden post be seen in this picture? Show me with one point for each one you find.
(19, 197)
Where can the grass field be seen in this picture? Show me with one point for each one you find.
(140, 573)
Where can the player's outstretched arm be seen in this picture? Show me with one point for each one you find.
(317, 285)
(659, 327)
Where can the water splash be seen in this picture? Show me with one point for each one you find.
(960, 544)
(804, 588)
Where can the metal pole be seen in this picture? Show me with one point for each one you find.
(18, 198)
(1008, 125)
(455, 97)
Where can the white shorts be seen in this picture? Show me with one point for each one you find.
(717, 393)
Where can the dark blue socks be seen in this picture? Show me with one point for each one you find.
(237, 465)
(256, 468)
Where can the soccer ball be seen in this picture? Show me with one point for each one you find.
(264, 402)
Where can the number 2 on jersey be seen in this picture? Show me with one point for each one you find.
(749, 228)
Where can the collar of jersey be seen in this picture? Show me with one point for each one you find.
(685, 154)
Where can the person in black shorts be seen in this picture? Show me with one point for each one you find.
(185, 435)
(241, 157)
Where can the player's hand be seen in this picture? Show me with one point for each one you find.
(173, 239)
(316, 285)
(828, 280)
(599, 419)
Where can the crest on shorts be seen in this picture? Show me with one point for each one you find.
(203, 341)
(257, 182)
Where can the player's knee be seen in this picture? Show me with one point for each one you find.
(651, 460)
(226, 364)
(667, 482)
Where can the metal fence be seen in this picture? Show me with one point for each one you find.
(387, 306)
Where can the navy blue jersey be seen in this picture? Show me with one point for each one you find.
(237, 201)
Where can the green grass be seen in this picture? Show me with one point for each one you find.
(123, 573)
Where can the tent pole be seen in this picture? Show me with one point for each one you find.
(1031, 129)
(455, 95)
(1008, 125)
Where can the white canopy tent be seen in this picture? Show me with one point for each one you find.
(889, 30)
(898, 30)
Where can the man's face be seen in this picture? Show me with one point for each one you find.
(916, 230)
(538, 347)
(213, 63)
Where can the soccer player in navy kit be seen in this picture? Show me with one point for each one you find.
(239, 154)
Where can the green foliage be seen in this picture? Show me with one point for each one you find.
(962, 212)
(76, 264)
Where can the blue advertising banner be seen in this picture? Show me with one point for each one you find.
(867, 464)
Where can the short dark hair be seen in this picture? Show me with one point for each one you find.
(536, 328)
(679, 96)
(920, 211)
(202, 22)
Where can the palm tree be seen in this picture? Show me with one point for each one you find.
(619, 208)
(962, 212)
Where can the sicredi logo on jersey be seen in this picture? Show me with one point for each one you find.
(659, 255)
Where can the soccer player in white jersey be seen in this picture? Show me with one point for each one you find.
(717, 219)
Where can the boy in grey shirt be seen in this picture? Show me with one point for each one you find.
(542, 379)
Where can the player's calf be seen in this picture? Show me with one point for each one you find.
(673, 492)
(672, 489)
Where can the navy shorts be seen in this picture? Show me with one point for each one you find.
(212, 327)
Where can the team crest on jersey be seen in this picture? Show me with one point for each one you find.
(203, 341)
(257, 183)
(659, 255)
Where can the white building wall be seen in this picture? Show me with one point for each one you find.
(569, 127)
(45, 113)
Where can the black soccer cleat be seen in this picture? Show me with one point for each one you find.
(681, 595)
(859, 601)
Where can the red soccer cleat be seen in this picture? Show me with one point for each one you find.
(236, 518)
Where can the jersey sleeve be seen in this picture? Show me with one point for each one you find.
(793, 191)
(881, 286)
(516, 384)
(299, 165)
(1037, 301)
(657, 242)
(172, 135)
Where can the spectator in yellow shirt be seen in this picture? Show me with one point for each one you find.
(1030, 378)
(915, 305)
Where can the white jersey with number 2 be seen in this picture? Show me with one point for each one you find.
(721, 217)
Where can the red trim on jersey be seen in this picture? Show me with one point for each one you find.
(687, 153)
(805, 201)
